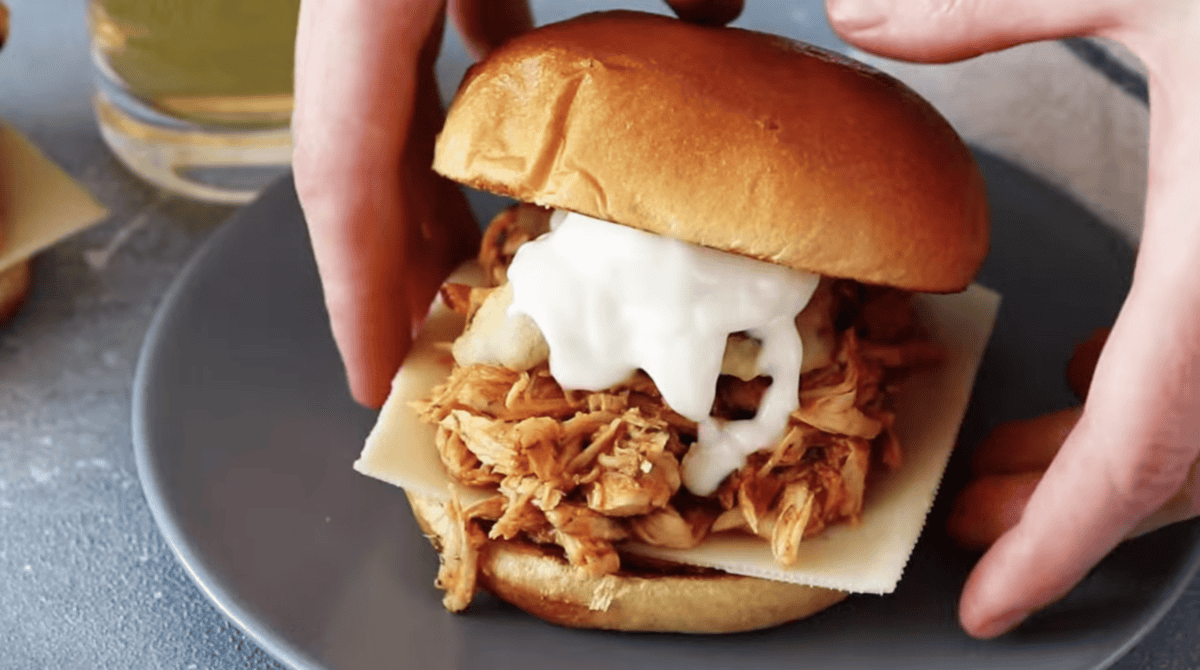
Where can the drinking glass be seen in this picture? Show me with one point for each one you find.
(195, 96)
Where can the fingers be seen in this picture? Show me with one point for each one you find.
(1129, 465)
(1082, 365)
(1133, 449)
(355, 98)
(1024, 446)
(1128, 455)
(1007, 467)
(988, 507)
(442, 231)
(946, 30)
(707, 12)
(486, 24)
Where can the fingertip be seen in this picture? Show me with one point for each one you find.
(372, 330)
(988, 507)
(940, 31)
(965, 534)
(707, 12)
(372, 355)
(895, 30)
(1067, 525)
(991, 605)
(990, 629)
(369, 384)
(486, 24)
(368, 391)
(850, 18)
(964, 525)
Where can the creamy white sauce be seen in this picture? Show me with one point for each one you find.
(610, 299)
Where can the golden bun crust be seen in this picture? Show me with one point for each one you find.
(543, 584)
(727, 138)
(14, 288)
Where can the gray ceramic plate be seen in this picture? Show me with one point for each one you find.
(245, 437)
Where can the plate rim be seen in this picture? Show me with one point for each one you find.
(153, 490)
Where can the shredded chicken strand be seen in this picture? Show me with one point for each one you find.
(795, 511)
(506, 233)
(585, 470)
(458, 571)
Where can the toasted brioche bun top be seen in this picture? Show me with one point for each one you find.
(727, 138)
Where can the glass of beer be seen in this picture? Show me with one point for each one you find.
(195, 96)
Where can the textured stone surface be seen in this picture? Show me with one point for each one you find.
(86, 579)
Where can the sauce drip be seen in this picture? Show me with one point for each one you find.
(610, 299)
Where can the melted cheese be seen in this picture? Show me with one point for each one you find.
(610, 300)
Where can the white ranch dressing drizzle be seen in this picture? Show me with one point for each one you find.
(610, 299)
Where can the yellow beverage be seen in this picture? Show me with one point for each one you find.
(221, 62)
(195, 96)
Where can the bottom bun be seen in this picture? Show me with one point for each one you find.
(656, 597)
(14, 287)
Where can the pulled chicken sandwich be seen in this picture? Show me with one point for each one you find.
(696, 322)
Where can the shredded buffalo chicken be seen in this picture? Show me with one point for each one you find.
(588, 470)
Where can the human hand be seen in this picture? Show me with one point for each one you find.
(1125, 464)
(385, 229)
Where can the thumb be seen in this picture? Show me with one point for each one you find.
(486, 24)
(1126, 467)
(947, 30)
(707, 12)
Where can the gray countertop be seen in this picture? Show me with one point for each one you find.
(86, 580)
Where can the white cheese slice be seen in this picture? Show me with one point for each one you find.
(867, 558)
(42, 204)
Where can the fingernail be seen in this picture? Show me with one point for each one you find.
(1001, 625)
(856, 15)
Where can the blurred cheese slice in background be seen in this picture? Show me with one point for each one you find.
(42, 204)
